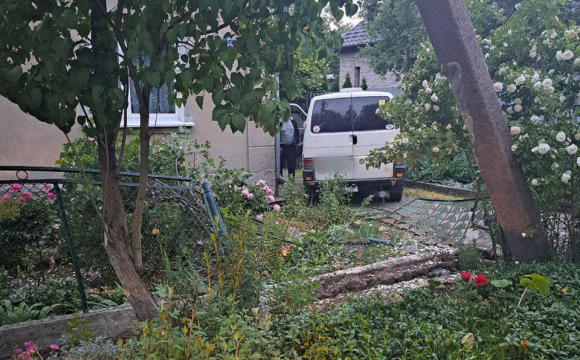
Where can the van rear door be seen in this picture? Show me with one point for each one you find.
(370, 132)
(329, 137)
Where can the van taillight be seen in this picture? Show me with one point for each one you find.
(308, 162)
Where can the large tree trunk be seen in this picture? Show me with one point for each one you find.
(117, 233)
(453, 37)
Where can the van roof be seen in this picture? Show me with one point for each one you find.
(342, 95)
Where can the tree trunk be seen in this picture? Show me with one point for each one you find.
(117, 237)
(116, 232)
(453, 37)
(144, 138)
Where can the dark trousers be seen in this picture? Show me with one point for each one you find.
(288, 157)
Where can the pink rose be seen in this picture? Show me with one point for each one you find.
(250, 196)
(56, 227)
(25, 197)
(51, 196)
(5, 197)
(15, 188)
(276, 207)
(47, 187)
(245, 192)
(271, 198)
(54, 347)
(260, 217)
(91, 139)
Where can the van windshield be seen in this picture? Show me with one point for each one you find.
(364, 113)
(331, 116)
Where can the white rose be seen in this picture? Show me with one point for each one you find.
(427, 106)
(434, 98)
(435, 108)
(520, 80)
(566, 177)
(572, 149)
(514, 147)
(448, 127)
(553, 34)
(537, 85)
(518, 101)
(515, 130)
(511, 88)
(535, 78)
(535, 149)
(543, 148)
(428, 90)
(578, 161)
(510, 110)
(550, 90)
(498, 86)
(577, 137)
(535, 182)
(425, 84)
(577, 61)
(435, 150)
(536, 100)
(535, 119)
(567, 55)
(547, 83)
(559, 55)
(561, 136)
(554, 166)
(518, 108)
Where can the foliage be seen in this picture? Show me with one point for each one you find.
(334, 200)
(12, 314)
(532, 57)
(203, 335)
(398, 30)
(364, 85)
(452, 170)
(347, 83)
(95, 349)
(427, 325)
(311, 73)
(29, 225)
(469, 258)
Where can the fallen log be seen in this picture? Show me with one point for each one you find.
(381, 273)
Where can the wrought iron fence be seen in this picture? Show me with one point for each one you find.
(51, 239)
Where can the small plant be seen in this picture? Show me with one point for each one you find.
(534, 282)
(347, 83)
(12, 314)
(364, 85)
(469, 258)
(96, 349)
(77, 331)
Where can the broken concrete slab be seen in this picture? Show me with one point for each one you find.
(481, 239)
(382, 273)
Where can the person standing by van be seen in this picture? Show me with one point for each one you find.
(289, 138)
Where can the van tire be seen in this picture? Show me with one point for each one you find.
(395, 195)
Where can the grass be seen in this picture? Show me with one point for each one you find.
(429, 195)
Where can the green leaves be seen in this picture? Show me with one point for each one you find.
(503, 283)
(536, 282)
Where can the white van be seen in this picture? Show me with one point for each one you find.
(339, 132)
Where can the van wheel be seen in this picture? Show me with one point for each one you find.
(395, 195)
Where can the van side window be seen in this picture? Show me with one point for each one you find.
(364, 113)
(331, 116)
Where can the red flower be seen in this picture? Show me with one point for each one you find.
(480, 280)
(466, 276)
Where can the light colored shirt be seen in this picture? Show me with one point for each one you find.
(287, 133)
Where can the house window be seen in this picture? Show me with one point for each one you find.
(161, 113)
(356, 76)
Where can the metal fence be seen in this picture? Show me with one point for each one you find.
(52, 259)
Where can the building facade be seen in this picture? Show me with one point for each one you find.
(355, 63)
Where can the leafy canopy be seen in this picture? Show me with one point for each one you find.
(229, 49)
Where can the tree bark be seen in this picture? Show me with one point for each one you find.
(116, 232)
(116, 238)
(453, 37)
(144, 145)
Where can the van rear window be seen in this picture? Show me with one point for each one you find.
(331, 116)
(364, 113)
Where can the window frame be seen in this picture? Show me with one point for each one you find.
(156, 120)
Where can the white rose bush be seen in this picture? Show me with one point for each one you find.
(534, 61)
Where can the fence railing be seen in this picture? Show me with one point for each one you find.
(50, 235)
